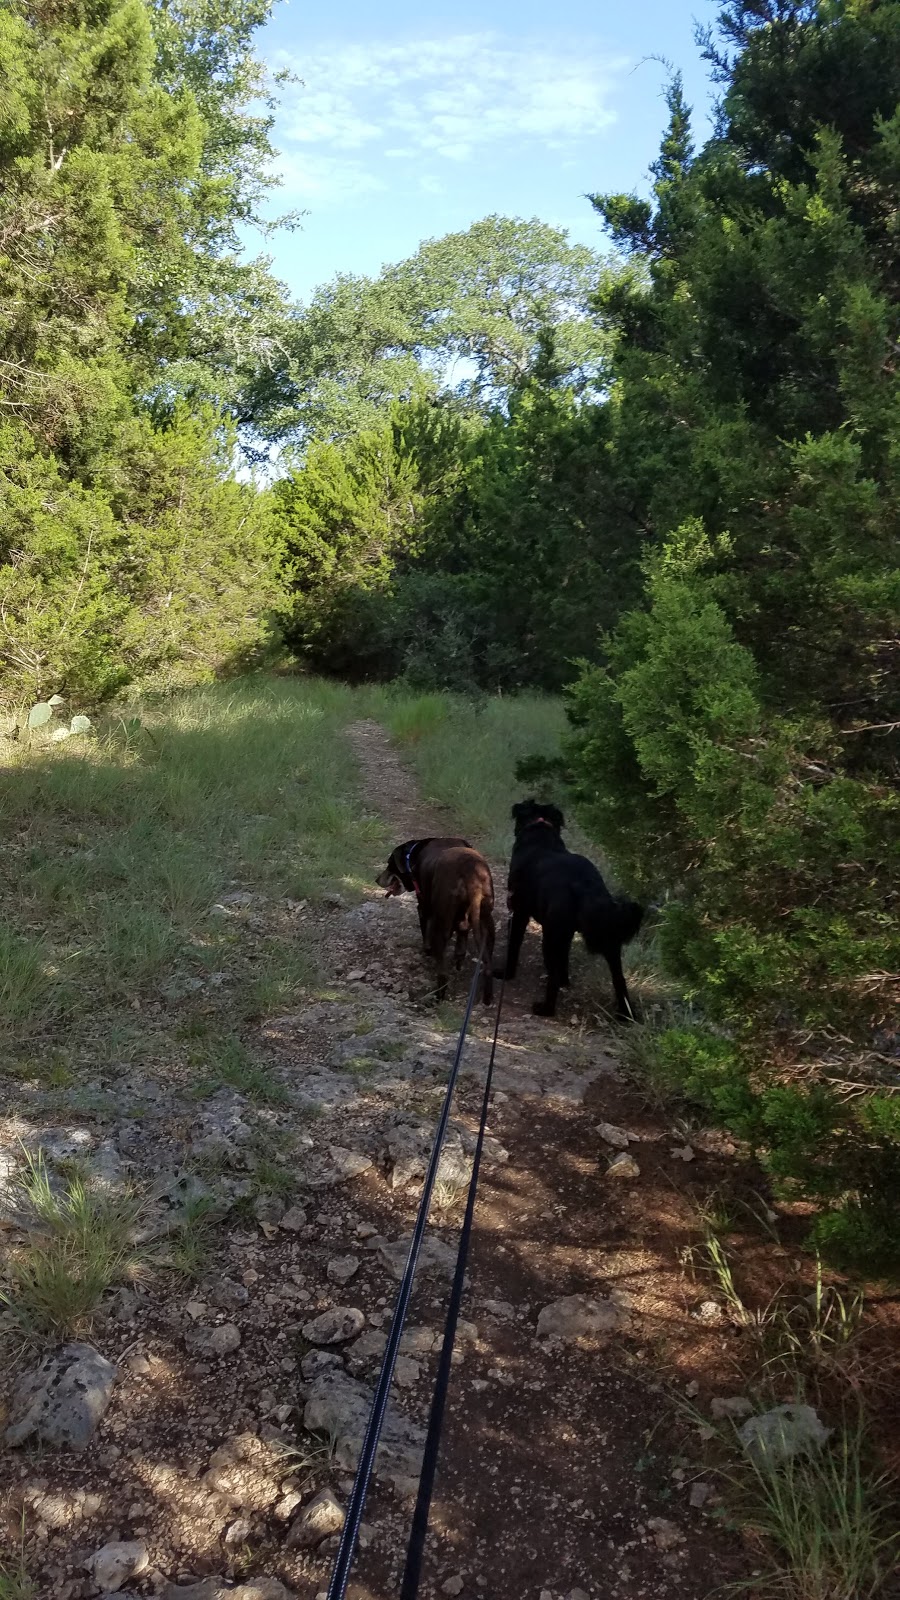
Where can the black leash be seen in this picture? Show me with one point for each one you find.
(419, 1531)
(347, 1548)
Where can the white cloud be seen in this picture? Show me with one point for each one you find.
(312, 177)
(450, 99)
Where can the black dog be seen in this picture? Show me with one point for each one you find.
(454, 896)
(566, 895)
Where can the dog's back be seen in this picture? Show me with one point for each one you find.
(566, 894)
(459, 890)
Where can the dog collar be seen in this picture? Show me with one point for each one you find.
(409, 871)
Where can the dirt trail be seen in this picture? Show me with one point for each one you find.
(561, 1467)
(564, 1470)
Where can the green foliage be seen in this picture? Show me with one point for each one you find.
(708, 1070)
(736, 746)
(128, 155)
(482, 300)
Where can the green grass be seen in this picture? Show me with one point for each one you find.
(123, 845)
(80, 1247)
(15, 1583)
(228, 1062)
(821, 1520)
(465, 753)
(28, 982)
(190, 1250)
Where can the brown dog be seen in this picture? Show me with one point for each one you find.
(455, 895)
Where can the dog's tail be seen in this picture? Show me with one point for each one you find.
(610, 920)
(479, 921)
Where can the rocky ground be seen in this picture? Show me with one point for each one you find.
(203, 1441)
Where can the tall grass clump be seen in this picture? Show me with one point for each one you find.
(80, 1245)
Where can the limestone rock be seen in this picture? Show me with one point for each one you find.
(735, 1405)
(666, 1535)
(335, 1326)
(61, 1402)
(244, 1473)
(580, 1316)
(339, 1406)
(782, 1433)
(610, 1134)
(118, 1561)
(341, 1269)
(624, 1166)
(323, 1516)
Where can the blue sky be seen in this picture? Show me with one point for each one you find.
(411, 123)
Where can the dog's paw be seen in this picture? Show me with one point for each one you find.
(541, 1009)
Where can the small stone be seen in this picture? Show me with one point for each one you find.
(227, 1295)
(356, 976)
(118, 1561)
(610, 1134)
(293, 1219)
(682, 1152)
(453, 1586)
(736, 1405)
(238, 1532)
(700, 1493)
(692, 1389)
(501, 1309)
(287, 1505)
(624, 1166)
(323, 1516)
(335, 1326)
(578, 1594)
(666, 1536)
(225, 1339)
(407, 1372)
(316, 1361)
(195, 1309)
(342, 1269)
(710, 1313)
(348, 1163)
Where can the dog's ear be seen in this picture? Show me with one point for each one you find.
(521, 808)
(554, 816)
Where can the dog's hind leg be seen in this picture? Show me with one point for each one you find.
(517, 929)
(624, 1008)
(460, 952)
(556, 944)
(436, 945)
(487, 960)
